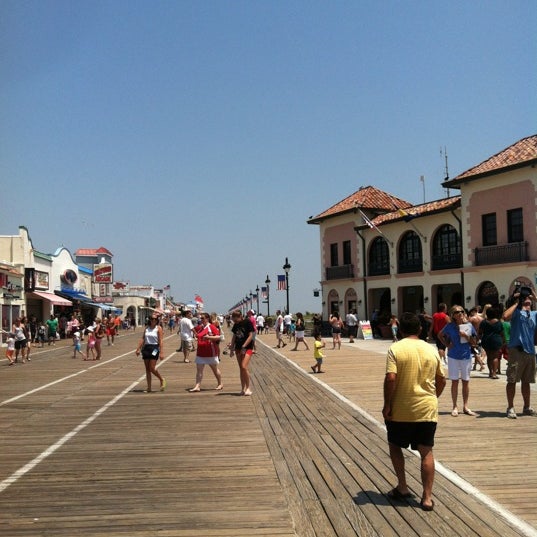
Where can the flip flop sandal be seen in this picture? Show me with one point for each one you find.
(395, 494)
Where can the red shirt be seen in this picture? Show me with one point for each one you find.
(206, 348)
(440, 319)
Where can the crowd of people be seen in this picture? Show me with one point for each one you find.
(28, 332)
(423, 348)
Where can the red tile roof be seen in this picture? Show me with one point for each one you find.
(521, 153)
(368, 198)
(93, 251)
(431, 207)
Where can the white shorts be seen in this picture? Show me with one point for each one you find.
(207, 361)
(300, 334)
(459, 369)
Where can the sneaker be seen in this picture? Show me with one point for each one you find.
(528, 411)
(511, 413)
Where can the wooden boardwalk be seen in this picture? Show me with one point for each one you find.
(86, 452)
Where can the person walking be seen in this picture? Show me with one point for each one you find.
(336, 324)
(351, 322)
(318, 346)
(279, 327)
(300, 331)
(492, 338)
(413, 383)
(439, 320)
(458, 336)
(21, 341)
(186, 330)
(208, 336)
(242, 346)
(521, 364)
(99, 331)
(151, 347)
(52, 329)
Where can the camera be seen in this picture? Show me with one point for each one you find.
(524, 292)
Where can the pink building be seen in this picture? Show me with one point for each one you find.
(379, 252)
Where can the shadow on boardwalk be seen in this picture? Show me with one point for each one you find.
(331, 456)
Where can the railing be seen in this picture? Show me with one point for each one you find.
(378, 269)
(446, 261)
(410, 265)
(505, 253)
(339, 273)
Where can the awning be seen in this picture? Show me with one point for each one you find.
(54, 299)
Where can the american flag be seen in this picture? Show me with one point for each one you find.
(281, 282)
(263, 292)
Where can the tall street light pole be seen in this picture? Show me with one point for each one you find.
(257, 297)
(287, 268)
(267, 283)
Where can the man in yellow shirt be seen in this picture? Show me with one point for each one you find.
(414, 380)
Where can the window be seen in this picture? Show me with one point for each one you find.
(515, 229)
(446, 248)
(379, 258)
(334, 261)
(488, 225)
(347, 253)
(410, 258)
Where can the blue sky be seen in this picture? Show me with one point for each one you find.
(193, 139)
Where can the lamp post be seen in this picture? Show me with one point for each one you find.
(267, 283)
(251, 300)
(287, 268)
(257, 298)
(246, 298)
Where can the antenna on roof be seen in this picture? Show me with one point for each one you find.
(422, 179)
(444, 155)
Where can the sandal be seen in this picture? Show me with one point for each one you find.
(396, 494)
(427, 507)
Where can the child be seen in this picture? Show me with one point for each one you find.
(318, 354)
(10, 348)
(76, 343)
(41, 333)
(394, 324)
(91, 345)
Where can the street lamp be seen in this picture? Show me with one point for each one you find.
(246, 305)
(257, 297)
(251, 300)
(287, 268)
(267, 283)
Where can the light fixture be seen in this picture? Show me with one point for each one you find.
(393, 300)
(468, 298)
(426, 299)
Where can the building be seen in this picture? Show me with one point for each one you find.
(379, 252)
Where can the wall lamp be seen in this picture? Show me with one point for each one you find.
(468, 298)
(426, 299)
(393, 300)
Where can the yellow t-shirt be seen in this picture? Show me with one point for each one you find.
(416, 364)
(318, 349)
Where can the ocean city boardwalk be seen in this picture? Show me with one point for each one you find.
(86, 452)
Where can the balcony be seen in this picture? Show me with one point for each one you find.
(505, 253)
(447, 261)
(410, 265)
(342, 272)
(378, 269)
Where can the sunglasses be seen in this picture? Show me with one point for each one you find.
(458, 311)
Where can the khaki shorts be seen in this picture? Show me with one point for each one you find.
(521, 366)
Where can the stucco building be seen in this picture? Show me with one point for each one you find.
(379, 252)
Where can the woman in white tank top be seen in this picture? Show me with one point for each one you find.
(151, 348)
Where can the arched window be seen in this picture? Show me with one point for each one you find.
(379, 258)
(410, 256)
(447, 251)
